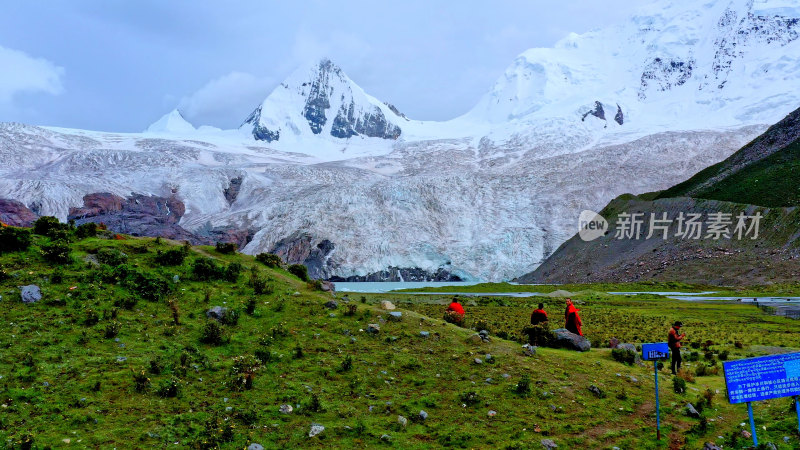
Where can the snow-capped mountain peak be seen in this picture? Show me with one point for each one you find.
(172, 122)
(321, 99)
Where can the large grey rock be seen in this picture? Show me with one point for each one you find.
(711, 446)
(255, 446)
(216, 313)
(567, 339)
(373, 328)
(528, 350)
(331, 304)
(30, 293)
(691, 411)
(396, 316)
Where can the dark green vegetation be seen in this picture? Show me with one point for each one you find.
(120, 353)
(765, 172)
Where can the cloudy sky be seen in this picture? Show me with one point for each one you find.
(119, 65)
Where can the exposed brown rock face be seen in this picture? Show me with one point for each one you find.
(136, 215)
(16, 214)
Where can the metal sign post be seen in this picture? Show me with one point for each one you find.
(754, 379)
(655, 352)
(797, 408)
(752, 424)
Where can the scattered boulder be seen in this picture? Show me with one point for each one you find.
(331, 304)
(483, 333)
(216, 313)
(548, 444)
(386, 438)
(424, 334)
(628, 347)
(176, 279)
(528, 350)
(315, 429)
(491, 413)
(478, 361)
(387, 305)
(423, 415)
(711, 446)
(286, 409)
(488, 358)
(402, 421)
(396, 316)
(564, 338)
(30, 293)
(328, 286)
(474, 339)
(746, 434)
(691, 411)
(373, 328)
(255, 446)
(597, 391)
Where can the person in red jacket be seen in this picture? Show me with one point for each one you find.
(572, 319)
(539, 315)
(455, 306)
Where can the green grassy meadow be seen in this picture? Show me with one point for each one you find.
(117, 354)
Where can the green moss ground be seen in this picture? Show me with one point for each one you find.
(62, 379)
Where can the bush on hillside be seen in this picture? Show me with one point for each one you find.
(13, 239)
(50, 226)
(56, 252)
(86, 230)
(226, 247)
(298, 270)
(269, 259)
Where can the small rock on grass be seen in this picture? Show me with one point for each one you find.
(315, 429)
(711, 446)
(549, 444)
(30, 293)
(402, 421)
(492, 413)
(387, 305)
(691, 411)
(423, 415)
(286, 409)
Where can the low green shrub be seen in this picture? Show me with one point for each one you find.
(50, 226)
(298, 270)
(171, 257)
(56, 252)
(624, 356)
(226, 247)
(86, 230)
(111, 256)
(13, 239)
(269, 259)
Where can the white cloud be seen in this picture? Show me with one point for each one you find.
(22, 73)
(226, 101)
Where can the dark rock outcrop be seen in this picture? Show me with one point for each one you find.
(138, 215)
(14, 213)
(232, 191)
(317, 100)
(598, 112)
(302, 248)
(260, 132)
(619, 117)
(371, 124)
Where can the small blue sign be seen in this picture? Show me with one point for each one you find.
(762, 378)
(654, 352)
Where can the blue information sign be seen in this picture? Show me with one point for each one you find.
(762, 378)
(654, 352)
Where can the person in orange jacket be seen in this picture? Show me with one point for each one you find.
(456, 307)
(572, 319)
(539, 315)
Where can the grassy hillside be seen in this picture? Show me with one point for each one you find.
(763, 172)
(120, 353)
(773, 182)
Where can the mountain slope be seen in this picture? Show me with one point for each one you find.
(761, 178)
